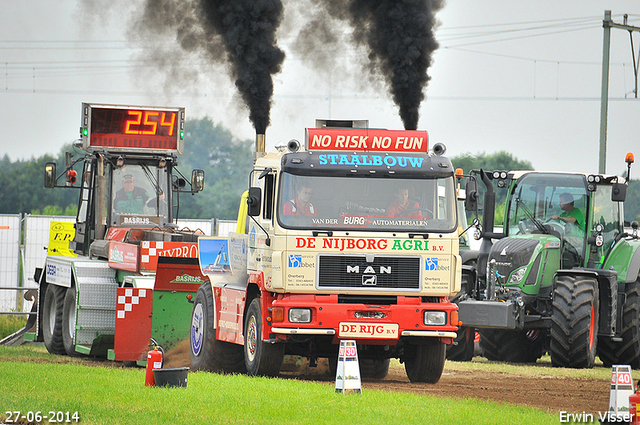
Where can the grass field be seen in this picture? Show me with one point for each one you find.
(31, 380)
(10, 323)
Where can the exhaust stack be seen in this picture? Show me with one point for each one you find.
(260, 145)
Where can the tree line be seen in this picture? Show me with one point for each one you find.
(227, 162)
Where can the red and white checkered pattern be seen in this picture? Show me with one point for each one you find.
(130, 298)
(150, 249)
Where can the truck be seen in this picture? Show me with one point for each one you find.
(98, 298)
(320, 256)
(562, 277)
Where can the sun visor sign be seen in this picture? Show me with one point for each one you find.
(366, 140)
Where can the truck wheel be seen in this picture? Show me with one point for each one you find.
(69, 322)
(574, 322)
(260, 357)
(52, 319)
(374, 369)
(628, 350)
(463, 347)
(207, 353)
(424, 362)
(513, 346)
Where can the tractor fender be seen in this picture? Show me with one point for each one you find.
(608, 291)
(633, 272)
(468, 255)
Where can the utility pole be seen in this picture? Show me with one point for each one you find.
(607, 24)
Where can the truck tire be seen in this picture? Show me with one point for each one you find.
(424, 362)
(52, 319)
(513, 346)
(261, 358)
(574, 322)
(69, 322)
(207, 353)
(628, 350)
(463, 346)
(374, 369)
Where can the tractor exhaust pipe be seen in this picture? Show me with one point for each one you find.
(260, 145)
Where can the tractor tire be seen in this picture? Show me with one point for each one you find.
(574, 322)
(462, 349)
(513, 346)
(628, 350)
(424, 362)
(52, 319)
(262, 358)
(207, 353)
(69, 322)
(374, 369)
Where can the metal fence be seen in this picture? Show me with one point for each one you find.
(23, 247)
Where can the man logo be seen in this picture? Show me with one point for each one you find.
(431, 264)
(295, 260)
(369, 280)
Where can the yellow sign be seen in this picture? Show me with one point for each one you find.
(60, 234)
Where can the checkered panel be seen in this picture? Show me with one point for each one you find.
(130, 298)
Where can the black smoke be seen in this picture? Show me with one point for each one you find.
(399, 35)
(240, 32)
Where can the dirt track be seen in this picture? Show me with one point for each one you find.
(549, 393)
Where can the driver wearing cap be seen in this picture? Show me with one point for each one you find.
(130, 199)
(569, 213)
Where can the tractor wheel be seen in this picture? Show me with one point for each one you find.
(424, 362)
(374, 369)
(574, 322)
(52, 319)
(513, 346)
(69, 322)
(260, 357)
(628, 350)
(462, 349)
(207, 353)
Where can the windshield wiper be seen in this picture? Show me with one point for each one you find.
(152, 179)
(531, 217)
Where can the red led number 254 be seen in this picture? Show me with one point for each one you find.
(146, 122)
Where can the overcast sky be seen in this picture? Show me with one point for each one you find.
(514, 75)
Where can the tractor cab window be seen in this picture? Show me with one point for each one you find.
(607, 213)
(139, 195)
(554, 204)
(369, 204)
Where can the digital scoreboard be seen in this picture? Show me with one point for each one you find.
(132, 128)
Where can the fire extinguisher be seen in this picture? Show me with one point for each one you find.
(155, 360)
(634, 400)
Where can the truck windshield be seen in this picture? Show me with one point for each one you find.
(139, 195)
(367, 204)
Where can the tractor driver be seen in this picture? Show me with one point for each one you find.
(569, 213)
(131, 199)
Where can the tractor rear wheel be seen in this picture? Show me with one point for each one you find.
(628, 350)
(574, 322)
(69, 322)
(52, 319)
(513, 346)
(261, 358)
(463, 346)
(424, 362)
(207, 353)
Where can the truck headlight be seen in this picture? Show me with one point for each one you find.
(435, 318)
(517, 276)
(300, 315)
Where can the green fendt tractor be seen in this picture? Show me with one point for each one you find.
(562, 276)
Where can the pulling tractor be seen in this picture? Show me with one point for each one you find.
(124, 232)
(562, 277)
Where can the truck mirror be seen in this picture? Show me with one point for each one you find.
(619, 192)
(471, 190)
(197, 180)
(253, 201)
(49, 175)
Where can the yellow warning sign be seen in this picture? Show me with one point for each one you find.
(60, 234)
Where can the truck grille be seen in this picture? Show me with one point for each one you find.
(354, 272)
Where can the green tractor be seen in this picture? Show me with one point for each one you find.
(562, 277)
